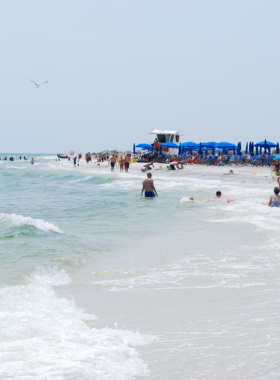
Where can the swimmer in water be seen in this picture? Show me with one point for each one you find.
(274, 200)
(218, 195)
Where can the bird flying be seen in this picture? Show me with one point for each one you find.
(38, 85)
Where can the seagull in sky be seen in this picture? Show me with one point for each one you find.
(38, 85)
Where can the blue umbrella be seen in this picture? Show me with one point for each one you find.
(267, 143)
(265, 147)
(145, 146)
(239, 148)
(257, 150)
(250, 148)
(134, 151)
(180, 149)
(277, 148)
(246, 150)
(225, 145)
(276, 158)
(190, 144)
(106, 151)
(170, 145)
(200, 149)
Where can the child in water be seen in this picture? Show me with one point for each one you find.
(218, 195)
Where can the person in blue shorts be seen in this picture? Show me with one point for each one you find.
(148, 187)
(75, 160)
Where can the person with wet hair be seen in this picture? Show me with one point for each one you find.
(218, 195)
(274, 200)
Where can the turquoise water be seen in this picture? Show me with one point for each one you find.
(99, 283)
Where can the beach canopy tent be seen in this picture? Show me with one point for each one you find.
(277, 158)
(145, 146)
(170, 145)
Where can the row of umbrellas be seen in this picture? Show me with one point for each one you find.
(215, 147)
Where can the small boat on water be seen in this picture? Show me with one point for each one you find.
(65, 154)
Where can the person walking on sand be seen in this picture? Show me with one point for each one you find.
(113, 162)
(126, 162)
(148, 187)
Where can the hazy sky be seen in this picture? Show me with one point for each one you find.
(118, 69)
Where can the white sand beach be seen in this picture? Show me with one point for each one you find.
(245, 173)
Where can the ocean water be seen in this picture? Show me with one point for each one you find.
(99, 283)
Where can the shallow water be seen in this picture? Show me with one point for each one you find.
(99, 283)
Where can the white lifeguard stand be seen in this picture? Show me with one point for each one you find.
(168, 136)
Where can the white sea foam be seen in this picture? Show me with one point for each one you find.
(185, 200)
(19, 220)
(44, 336)
(82, 179)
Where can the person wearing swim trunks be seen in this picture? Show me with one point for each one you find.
(75, 160)
(126, 162)
(274, 200)
(148, 187)
(113, 162)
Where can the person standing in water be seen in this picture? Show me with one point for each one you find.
(113, 162)
(148, 187)
(121, 163)
(32, 161)
(274, 200)
(75, 160)
(126, 162)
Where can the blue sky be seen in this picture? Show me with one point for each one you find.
(118, 69)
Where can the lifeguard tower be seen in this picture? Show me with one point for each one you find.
(167, 136)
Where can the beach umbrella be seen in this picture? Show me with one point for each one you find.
(250, 147)
(180, 149)
(213, 150)
(239, 148)
(134, 149)
(225, 145)
(265, 147)
(277, 148)
(145, 146)
(189, 144)
(277, 158)
(257, 150)
(267, 143)
(170, 145)
(246, 150)
(200, 149)
(106, 151)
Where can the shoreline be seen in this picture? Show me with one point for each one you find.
(240, 173)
